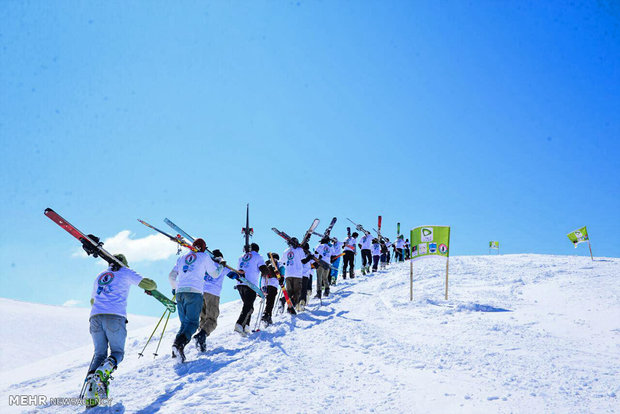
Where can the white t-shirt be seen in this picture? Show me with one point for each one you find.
(191, 269)
(250, 264)
(111, 289)
(376, 249)
(292, 262)
(337, 249)
(324, 252)
(400, 243)
(213, 284)
(366, 242)
(350, 244)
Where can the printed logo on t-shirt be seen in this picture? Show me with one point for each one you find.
(104, 282)
(289, 258)
(190, 259)
(245, 260)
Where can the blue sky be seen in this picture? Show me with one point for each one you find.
(499, 119)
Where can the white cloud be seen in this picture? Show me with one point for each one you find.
(147, 249)
(71, 302)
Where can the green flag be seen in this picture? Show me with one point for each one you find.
(430, 241)
(493, 245)
(578, 236)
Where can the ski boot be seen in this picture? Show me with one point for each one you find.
(200, 339)
(327, 292)
(96, 390)
(266, 319)
(104, 372)
(239, 329)
(352, 275)
(178, 347)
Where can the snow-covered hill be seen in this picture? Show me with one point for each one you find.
(520, 333)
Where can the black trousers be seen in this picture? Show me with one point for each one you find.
(366, 257)
(375, 263)
(348, 260)
(247, 296)
(305, 287)
(272, 292)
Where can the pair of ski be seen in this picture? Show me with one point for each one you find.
(180, 239)
(94, 247)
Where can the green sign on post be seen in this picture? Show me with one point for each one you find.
(494, 245)
(430, 241)
(580, 236)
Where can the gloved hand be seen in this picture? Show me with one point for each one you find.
(174, 292)
(147, 284)
(232, 275)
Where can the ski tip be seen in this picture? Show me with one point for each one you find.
(48, 210)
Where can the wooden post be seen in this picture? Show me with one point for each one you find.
(590, 247)
(447, 263)
(411, 281)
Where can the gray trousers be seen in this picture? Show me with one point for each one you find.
(107, 330)
(293, 287)
(322, 280)
(210, 312)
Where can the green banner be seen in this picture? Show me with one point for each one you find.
(430, 241)
(493, 245)
(578, 236)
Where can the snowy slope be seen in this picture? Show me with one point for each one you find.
(520, 333)
(34, 331)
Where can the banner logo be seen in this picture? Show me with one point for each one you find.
(427, 234)
(432, 248)
(443, 248)
(422, 248)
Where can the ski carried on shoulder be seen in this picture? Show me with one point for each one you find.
(359, 227)
(291, 308)
(93, 247)
(235, 273)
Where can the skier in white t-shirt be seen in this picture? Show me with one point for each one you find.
(187, 281)
(324, 253)
(270, 285)
(253, 266)
(376, 254)
(108, 316)
(211, 300)
(350, 246)
(365, 247)
(335, 259)
(399, 246)
(294, 259)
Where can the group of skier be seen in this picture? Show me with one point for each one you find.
(197, 278)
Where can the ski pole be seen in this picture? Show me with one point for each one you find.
(162, 335)
(84, 385)
(153, 333)
(260, 311)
